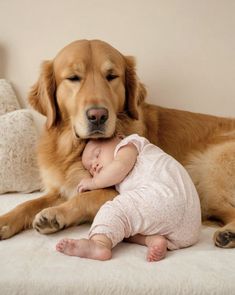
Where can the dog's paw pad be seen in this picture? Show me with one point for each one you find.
(224, 238)
(48, 221)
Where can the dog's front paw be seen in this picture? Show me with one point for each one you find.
(9, 226)
(5, 232)
(48, 221)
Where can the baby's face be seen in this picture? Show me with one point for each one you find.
(98, 154)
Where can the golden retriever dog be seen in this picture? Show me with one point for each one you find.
(91, 90)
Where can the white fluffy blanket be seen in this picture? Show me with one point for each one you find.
(30, 265)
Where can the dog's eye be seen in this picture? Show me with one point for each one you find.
(111, 77)
(74, 78)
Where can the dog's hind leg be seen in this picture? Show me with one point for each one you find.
(225, 236)
(213, 172)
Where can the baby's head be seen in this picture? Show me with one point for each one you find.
(98, 153)
(90, 153)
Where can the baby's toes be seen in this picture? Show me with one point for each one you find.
(61, 245)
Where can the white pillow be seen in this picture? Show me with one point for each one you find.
(8, 100)
(18, 165)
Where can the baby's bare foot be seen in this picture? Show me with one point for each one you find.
(157, 248)
(84, 248)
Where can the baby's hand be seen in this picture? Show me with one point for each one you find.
(86, 184)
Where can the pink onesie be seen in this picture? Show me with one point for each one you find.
(156, 197)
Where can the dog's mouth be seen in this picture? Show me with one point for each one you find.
(92, 133)
(96, 129)
(97, 134)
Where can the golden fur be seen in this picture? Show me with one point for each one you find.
(91, 90)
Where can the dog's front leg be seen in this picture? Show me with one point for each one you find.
(77, 210)
(21, 216)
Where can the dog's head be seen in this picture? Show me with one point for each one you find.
(87, 85)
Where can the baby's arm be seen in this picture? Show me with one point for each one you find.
(115, 172)
(118, 169)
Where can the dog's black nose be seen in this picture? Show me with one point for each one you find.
(97, 116)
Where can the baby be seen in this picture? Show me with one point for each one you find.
(157, 205)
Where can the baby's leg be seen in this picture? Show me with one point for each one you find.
(157, 245)
(98, 247)
(108, 229)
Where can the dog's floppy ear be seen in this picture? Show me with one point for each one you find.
(42, 94)
(135, 91)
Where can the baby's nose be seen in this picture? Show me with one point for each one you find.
(94, 164)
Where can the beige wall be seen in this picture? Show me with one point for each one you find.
(185, 49)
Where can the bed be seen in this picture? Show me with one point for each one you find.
(29, 264)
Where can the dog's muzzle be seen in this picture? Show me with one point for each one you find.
(97, 118)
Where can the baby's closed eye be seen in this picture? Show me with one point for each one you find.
(97, 152)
